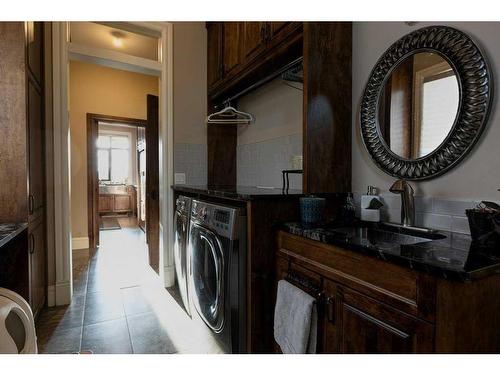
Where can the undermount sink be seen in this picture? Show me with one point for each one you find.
(384, 237)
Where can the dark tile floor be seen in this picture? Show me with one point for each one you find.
(120, 306)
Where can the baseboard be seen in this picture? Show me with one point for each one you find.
(79, 243)
(63, 293)
(51, 295)
(169, 275)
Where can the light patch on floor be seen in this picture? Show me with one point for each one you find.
(121, 306)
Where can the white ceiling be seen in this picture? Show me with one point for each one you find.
(101, 36)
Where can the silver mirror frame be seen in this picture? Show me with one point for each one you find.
(476, 95)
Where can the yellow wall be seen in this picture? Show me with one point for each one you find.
(96, 89)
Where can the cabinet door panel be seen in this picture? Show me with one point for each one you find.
(278, 31)
(38, 260)
(365, 325)
(105, 203)
(36, 149)
(122, 203)
(254, 41)
(362, 333)
(231, 46)
(214, 53)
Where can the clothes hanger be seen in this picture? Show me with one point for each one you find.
(230, 115)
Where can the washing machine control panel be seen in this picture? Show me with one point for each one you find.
(218, 218)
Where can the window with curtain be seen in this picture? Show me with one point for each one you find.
(113, 158)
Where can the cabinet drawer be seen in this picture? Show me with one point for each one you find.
(400, 287)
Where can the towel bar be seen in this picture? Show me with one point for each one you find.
(305, 284)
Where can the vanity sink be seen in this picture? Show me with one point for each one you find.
(384, 237)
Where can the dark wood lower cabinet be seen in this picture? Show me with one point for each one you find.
(363, 325)
(366, 309)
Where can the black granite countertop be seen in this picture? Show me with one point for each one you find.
(444, 254)
(9, 231)
(241, 193)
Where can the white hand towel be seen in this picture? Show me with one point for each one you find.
(295, 320)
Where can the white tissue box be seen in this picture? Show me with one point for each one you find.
(369, 214)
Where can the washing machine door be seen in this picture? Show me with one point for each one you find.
(207, 275)
(181, 224)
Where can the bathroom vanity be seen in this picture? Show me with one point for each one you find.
(117, 199)
(382, 290)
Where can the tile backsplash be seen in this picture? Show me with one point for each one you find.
(191, 159)
(261, 163)
(436, 213)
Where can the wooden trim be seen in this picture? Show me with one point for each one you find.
(93, 120)
(114, 59)
(327, 107)
(62, 217)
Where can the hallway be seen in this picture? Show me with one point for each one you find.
(120, 306)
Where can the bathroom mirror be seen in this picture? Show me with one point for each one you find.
(418, 105)
(426, 103)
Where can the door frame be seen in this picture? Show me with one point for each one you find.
(61, 55)
(93, 120)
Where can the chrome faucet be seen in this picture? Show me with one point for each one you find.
(407, 202)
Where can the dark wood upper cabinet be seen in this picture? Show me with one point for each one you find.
(214, 53)
(254, 39)
(233, 48)
(231, 56)
(277, 30)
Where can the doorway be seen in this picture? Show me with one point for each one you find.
(122, 175)
(65, 50)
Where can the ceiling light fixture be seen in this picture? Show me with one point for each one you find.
(117, 38)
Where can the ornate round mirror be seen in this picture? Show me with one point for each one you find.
(426, 103)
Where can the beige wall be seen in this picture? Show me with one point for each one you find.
(96, 89)
(190, 82)
(190, 101)
(476, 177)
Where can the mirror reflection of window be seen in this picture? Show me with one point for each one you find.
(418, 105)
(113, 154)
(439, 96)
